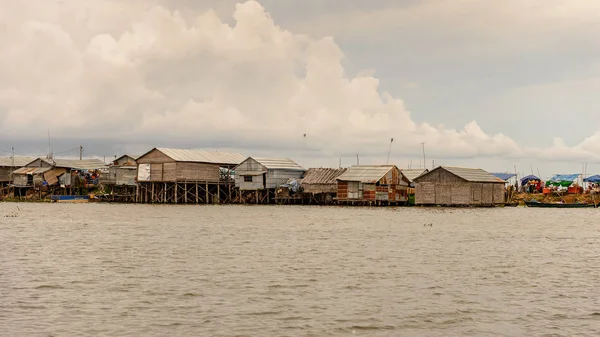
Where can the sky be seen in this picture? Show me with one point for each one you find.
(504, 85)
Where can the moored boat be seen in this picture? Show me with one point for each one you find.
(557, 205)
(70, 198)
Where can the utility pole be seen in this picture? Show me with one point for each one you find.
(12, 168)
(389, 151)
(424, 161)
(357, 161)
(80, 152)
(303, 144)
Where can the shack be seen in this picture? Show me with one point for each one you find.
(53, 176)
(457, 186)
(321, 182)
(262, 176)
(8, 165)
(412, 174)
(125, 160)
(186, 176)
(372, 185)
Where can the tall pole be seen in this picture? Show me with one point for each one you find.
(12, 168)
(357, 161)
(303, 142)
(80, 152)
(424, 161)
(389, 151)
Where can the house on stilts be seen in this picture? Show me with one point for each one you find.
(186, 176)
(372, 185)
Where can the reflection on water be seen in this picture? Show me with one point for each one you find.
(139, 270)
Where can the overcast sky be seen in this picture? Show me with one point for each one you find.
(490, 84)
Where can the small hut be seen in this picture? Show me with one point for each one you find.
(457, 186)
(125, 160)
(320, 184)
(372, 184)
(263, 175)
(8, 165)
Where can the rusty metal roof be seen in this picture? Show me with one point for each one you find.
(369, 174)
(473, 175)
(76, 164)
(412, 174)
(18, 162)
(316, 176)
(279, 164)
(200, 156)
(32, 170)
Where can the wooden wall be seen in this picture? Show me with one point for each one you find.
(165, 169)
(5, 174)
(444, 188)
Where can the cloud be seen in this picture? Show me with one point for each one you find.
(147, 75)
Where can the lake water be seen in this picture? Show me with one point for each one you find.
(140, 270)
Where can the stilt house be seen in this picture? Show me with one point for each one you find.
(255, 174)
(186, 176)
(457, 186)
(8, 165)
(372, 184)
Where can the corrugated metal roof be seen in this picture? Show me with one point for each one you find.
(279, 163)
(365, 173)
(199, 156)
(471, 174)
(32, 170)
(19, 161)
(76, 164)
(316, 176)
(412, 174)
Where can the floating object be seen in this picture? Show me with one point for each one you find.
(70, 198)
(557, 205)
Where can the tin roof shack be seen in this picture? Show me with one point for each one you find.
(319, 185)
(255, 174)
(8, 165)
(51, 172)
(125, 160)
(186, 176)
(122, 172)
(372, 185)
(412, 174)
(178, 165)
(457, 186)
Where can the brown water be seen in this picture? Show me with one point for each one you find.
(133, 270)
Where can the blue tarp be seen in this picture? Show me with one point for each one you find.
(592, 179)
(527, 179)
(504, 176)
(563, 177)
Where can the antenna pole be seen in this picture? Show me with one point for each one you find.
(80, 152)
(303, 142)
(389, 150)
(424, 162)
(357, 161)
(12, 168)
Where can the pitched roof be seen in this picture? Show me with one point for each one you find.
(200, 156)
(314, 176)
(76, 164)
(279, 164)
(412, 174)
(468, 174)
(18, 162)
(32, 170)
(365, 173)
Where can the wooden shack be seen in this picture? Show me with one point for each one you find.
(319, 185)
(8, 165)
(263, 175)
(125, 160)
(372, 185)
(186, 176)
(457, 186)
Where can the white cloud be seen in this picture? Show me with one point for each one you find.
(147, 74)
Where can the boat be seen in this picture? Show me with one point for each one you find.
(557, 205)
(70, 198)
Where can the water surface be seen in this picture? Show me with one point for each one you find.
(139, 270)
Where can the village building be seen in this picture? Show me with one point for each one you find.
(8, 165)
(372, 185)
(57, 176)
(125, 160)
(261, 176)
(119, 180)
(457, 186)
(186, 176)
(319, 185)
